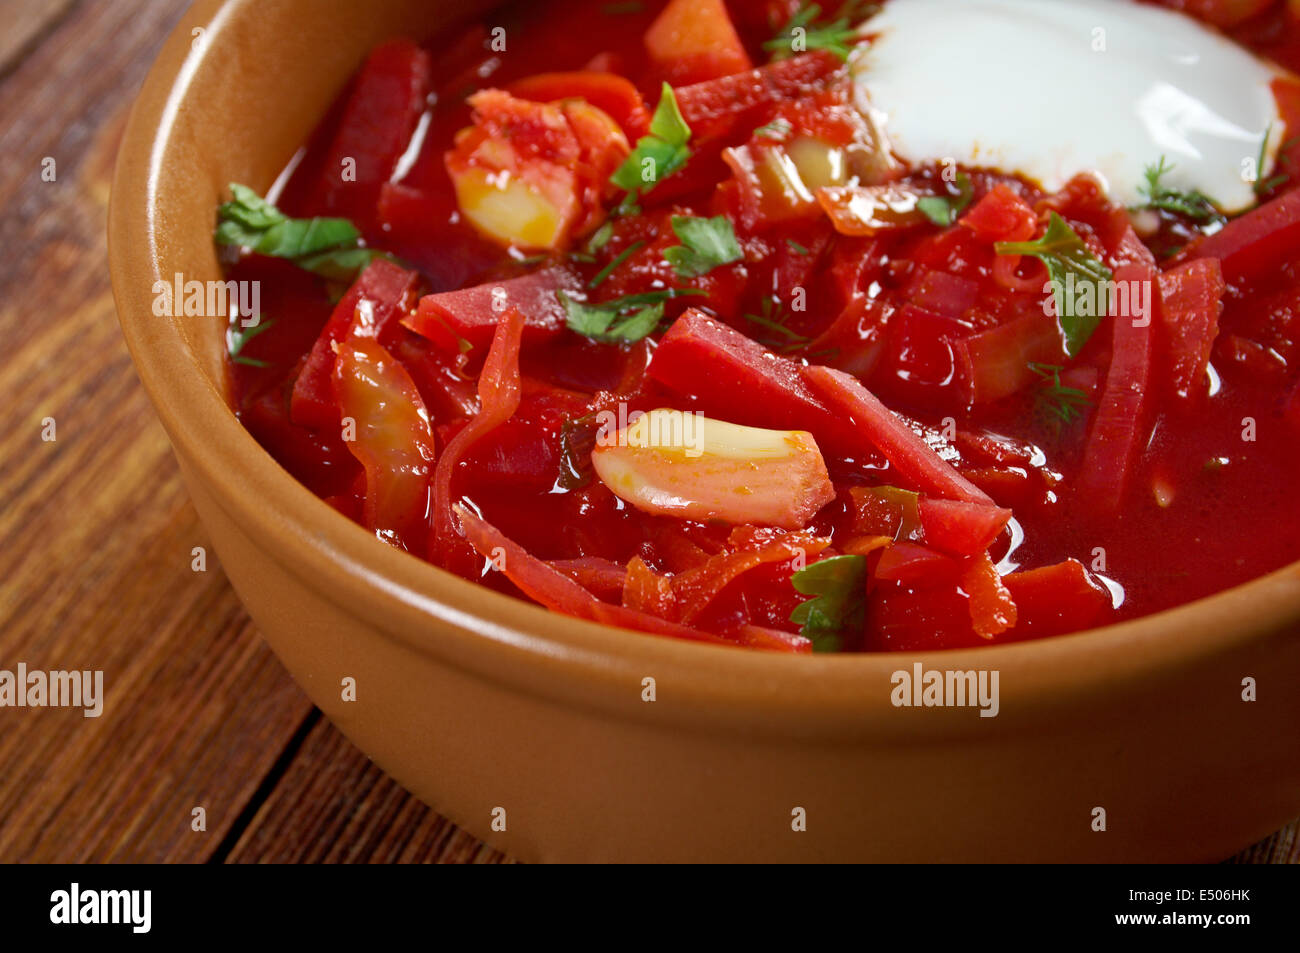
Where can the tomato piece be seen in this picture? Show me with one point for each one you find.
(769, 186)
(694, 40)
(375, 129)
(962, 529)
(1001, 216)
(1054, 600)
(908, 453)
(1191, 300)
(472, 314)
(393, 441)
(614, 95)
(370, 308)
(915, 564)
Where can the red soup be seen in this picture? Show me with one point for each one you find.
(667, 321)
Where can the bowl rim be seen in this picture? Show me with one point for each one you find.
(571, 661)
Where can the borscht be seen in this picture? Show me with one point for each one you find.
(910, 325)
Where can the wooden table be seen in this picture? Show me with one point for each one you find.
(96, 532)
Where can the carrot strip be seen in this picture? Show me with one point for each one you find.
(547, 585)
(992, 610)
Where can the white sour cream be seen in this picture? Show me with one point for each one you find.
(1051, 88)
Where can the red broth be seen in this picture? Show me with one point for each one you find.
(1204, 497)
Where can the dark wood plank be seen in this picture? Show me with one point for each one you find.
(25, 24)
(334, 806)
(95, 527)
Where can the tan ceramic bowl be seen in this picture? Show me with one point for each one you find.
(475, 701)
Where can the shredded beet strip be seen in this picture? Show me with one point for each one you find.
(906, 451)
(499, 392)
(1120, 427)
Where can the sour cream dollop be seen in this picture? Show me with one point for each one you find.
(1051, 89)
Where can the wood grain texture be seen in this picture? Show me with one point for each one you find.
(353, 812)
(96, 531)
(96, 534)
(25, 23)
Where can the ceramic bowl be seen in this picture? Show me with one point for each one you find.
(532, 730)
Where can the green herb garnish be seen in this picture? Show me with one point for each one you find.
(621, 257)
(707, 243)
(1263, 186)
(795, 247)
(600, 237)
(630, 318)
(1192, 205)
(329, 247)
(1058, 404)
(806, 30)
(773, 318)
(1070, 265)
(776, 129)
(838, 608)
(238, 336)
(944, 209)
(658, 154)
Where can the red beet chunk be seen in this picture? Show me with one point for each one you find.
(471, 314)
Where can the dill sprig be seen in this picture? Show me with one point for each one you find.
(806, 30)
(1192, 205)
(1056, 403)
(773, 317)
(1262, 185)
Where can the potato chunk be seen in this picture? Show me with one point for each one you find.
(533, 175)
